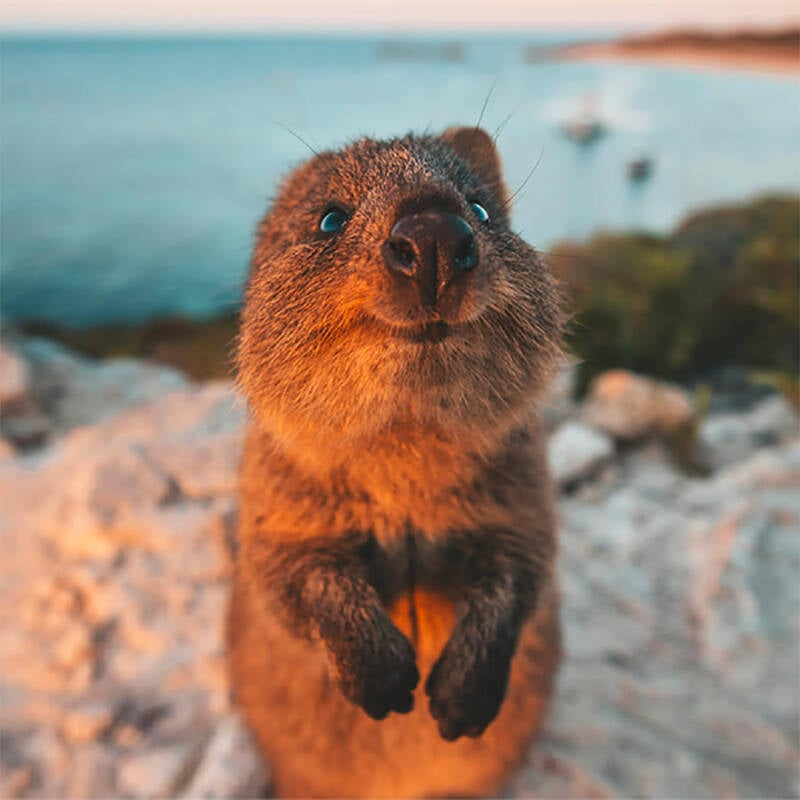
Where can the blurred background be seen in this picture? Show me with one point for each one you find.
(141, 145)
(655, 149)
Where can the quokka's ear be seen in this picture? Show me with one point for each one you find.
(475, 147)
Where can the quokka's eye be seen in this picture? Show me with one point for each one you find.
(333, 220)
(480, 212)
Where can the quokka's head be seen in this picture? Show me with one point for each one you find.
(388, 289)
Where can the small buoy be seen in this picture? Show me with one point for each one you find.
(639, 169)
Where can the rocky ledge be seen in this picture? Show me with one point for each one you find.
(681, 599)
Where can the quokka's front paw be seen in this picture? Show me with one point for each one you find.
(378, 670)
(468, 683)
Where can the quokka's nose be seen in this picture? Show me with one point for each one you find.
(432, 247)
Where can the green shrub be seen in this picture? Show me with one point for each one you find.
(721, 290)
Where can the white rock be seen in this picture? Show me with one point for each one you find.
(728, 438)
(155, 774)
(772, 421)
(231, 766)
(75, 390)
(678, 602)
(559, 403)
(724, 439)
(575, 451)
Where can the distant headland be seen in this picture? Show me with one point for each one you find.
(774, 51)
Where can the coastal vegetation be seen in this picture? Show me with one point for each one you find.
(721, 290)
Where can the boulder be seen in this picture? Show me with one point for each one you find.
(66, 390)
(14, 378)
(22, 424)
(630, 407)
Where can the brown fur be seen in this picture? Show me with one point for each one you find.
(396, 509)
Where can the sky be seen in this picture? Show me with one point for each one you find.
(332, 15)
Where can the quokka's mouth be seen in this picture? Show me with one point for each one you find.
(428, 333)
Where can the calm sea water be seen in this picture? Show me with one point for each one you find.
(134, 172)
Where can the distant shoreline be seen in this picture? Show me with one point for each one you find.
(775, 53)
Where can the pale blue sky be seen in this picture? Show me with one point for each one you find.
(248, 15)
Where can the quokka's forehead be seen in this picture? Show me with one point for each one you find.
(384, 171)
(409, 159)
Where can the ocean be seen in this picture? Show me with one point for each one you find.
(134, 171)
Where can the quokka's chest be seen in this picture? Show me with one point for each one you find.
(421, 583)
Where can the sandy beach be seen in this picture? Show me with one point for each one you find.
(735, 55)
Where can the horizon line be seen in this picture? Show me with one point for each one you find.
(395, 29)
(510, 29)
